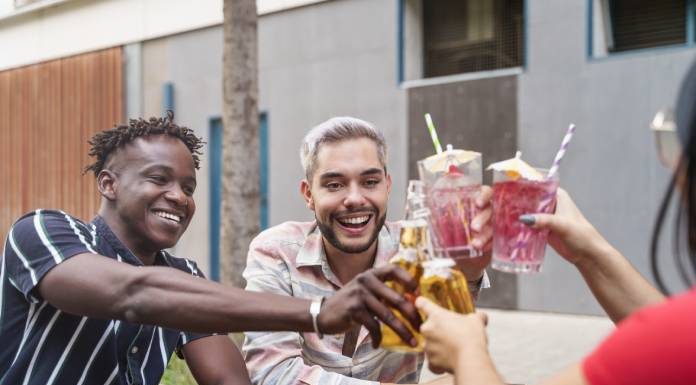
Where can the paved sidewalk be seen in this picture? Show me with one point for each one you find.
(529, 346)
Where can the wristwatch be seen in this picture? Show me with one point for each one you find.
(314, 310)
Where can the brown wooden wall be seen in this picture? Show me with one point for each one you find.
(48, 111)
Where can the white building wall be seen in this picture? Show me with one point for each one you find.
(329, 59)
(53, 29)
(611, 167)
(339, 58)
(333, 59)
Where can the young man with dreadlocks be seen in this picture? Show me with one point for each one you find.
(104, 303)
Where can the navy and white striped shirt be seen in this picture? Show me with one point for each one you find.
(40, 344)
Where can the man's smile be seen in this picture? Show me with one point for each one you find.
(170, 217)
(355, 223)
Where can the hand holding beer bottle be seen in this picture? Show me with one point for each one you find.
(413, 243)
(438, 280)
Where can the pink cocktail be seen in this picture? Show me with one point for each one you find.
(452, 209)
(452, 181)
(516, 247)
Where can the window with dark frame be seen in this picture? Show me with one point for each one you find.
(637, 24)
(461, 36)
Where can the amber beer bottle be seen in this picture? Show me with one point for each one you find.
(412, 246)
(445, 285)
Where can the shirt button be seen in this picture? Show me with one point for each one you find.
(134, 350)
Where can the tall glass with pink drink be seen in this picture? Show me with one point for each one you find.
(520, 189)
(452, 180)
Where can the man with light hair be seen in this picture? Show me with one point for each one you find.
(103, 302)
(347, 186)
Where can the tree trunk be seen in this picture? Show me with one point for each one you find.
(240, 148)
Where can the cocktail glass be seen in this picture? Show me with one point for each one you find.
(518, 248)
(452, 181)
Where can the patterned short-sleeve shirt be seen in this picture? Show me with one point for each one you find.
(44, 345)
(289, 259)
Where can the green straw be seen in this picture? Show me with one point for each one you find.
(433, 133)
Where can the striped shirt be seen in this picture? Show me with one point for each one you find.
(44, 345)
(289, 259)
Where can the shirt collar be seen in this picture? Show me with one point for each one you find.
(312, 252)
(119, 248)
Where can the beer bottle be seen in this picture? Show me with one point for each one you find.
(445, 286)
(413, 250)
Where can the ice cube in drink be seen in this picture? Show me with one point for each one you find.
(452, 207)
(452, 179)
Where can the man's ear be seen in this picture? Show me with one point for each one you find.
(106, 183)
(306, 191)
(389, 183)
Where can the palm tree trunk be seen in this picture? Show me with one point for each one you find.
(240, 148)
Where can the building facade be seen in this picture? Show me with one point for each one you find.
(497, 76)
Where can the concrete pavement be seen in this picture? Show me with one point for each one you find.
(528, 347)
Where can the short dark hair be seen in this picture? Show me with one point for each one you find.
(106, 142)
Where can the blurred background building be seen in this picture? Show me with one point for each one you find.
(497, 76)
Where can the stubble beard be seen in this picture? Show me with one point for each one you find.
(329, 234)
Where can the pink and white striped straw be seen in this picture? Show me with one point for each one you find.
(559, 155)
(523, 236)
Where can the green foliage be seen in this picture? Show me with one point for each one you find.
(177, 373)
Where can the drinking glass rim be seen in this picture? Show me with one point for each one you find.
(542, 170)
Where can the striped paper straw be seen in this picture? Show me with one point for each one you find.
(523, 237)
(559, 155)
(433, 133)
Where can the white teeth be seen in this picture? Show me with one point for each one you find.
(172, 217)
(356, 220)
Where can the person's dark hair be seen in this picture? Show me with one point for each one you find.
(685, 177)
(106, 142)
